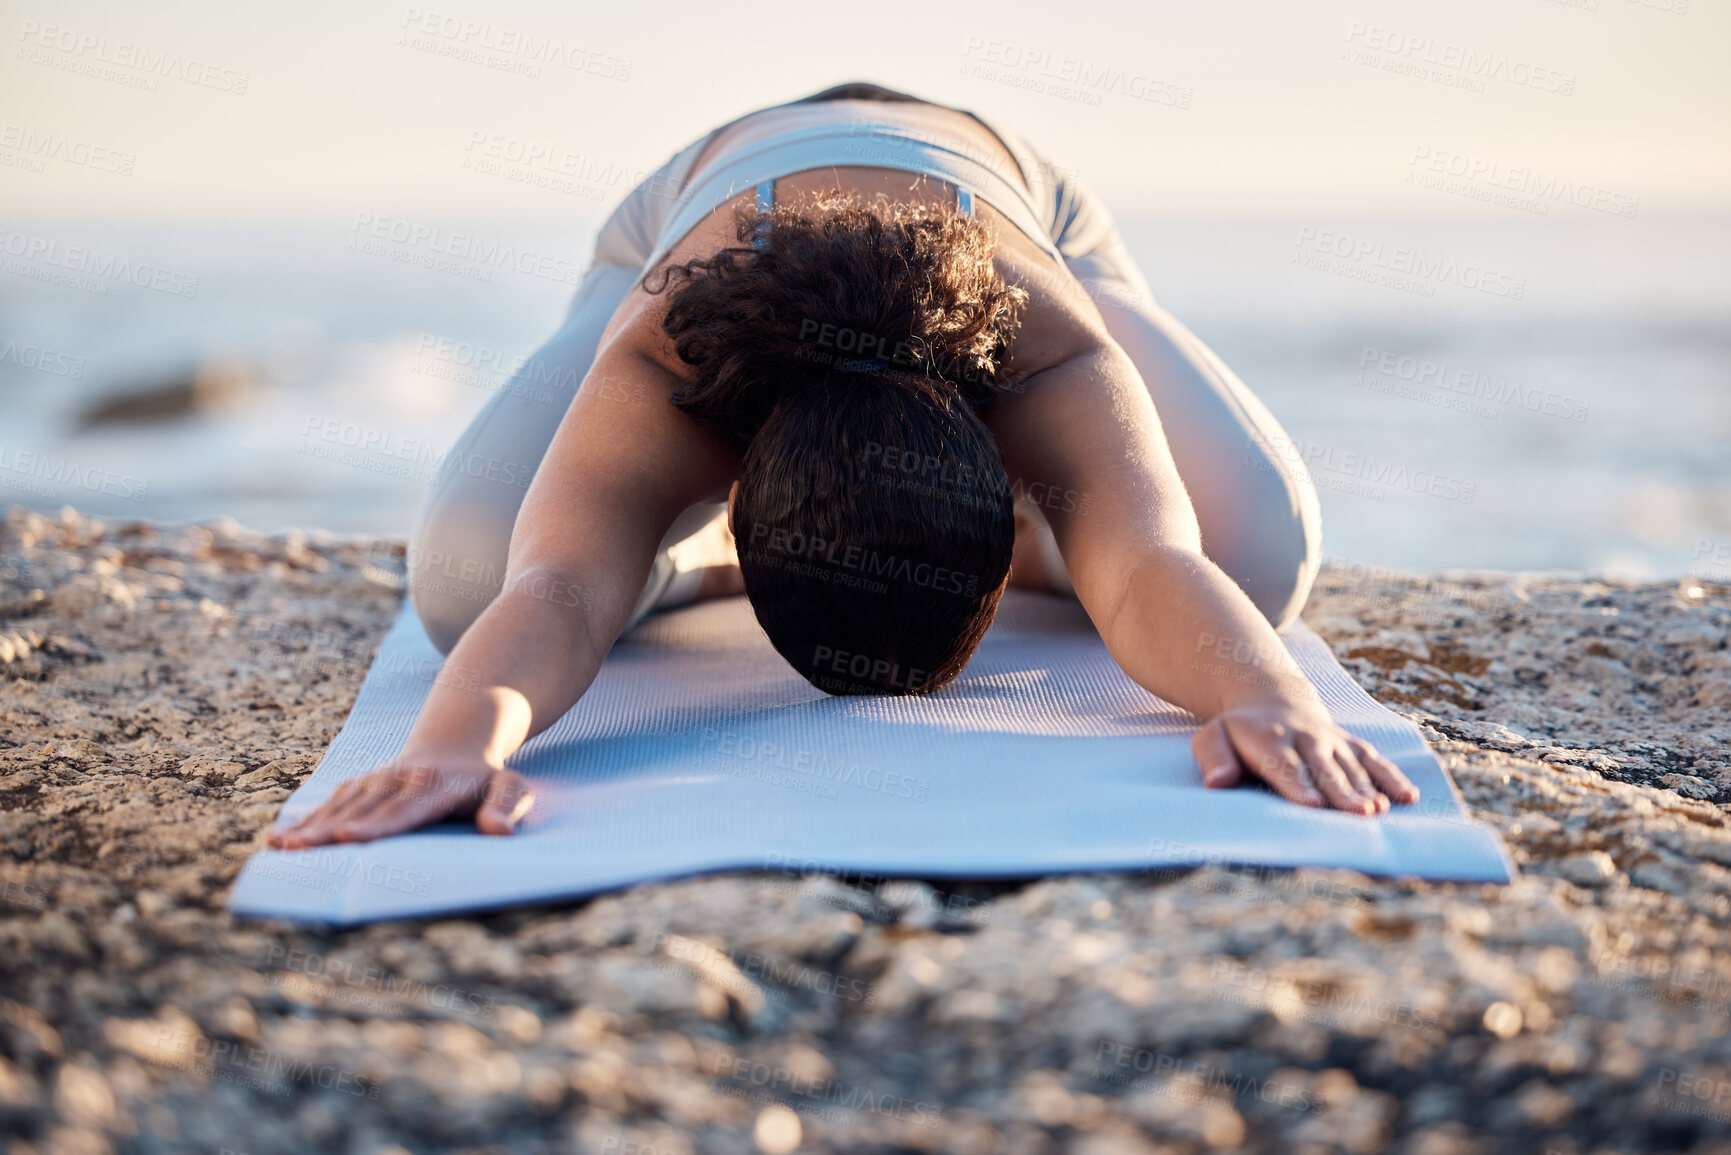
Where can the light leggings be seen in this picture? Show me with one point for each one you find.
(1256, 505)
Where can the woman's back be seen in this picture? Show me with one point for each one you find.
(931, 121)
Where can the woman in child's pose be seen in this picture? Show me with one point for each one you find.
(902, 361)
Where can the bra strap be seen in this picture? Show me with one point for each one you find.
(765, 202)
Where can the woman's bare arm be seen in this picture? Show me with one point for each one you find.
(622, 466)
(1084, 426)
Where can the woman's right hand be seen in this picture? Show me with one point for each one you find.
(409, 792)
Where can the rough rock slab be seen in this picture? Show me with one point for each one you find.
(163, 688)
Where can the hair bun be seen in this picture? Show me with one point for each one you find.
(833, 291)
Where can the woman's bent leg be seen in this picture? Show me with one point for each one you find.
(462, 532)
(1256, 505)
(461, 536)
(1254, 500)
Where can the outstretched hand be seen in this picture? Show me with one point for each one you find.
(403, 795)
(1299, 751)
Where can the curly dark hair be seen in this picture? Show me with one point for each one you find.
(847, 355)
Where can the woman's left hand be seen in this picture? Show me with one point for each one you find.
(1302, 754)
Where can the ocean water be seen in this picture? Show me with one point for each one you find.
(1526, 393)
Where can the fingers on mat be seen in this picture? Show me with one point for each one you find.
(1283, 769)
(1331, 779)
(508, 800)
(1214, 753)
(1385, 773)
(311, 830)
(320, 826)
(1355, 773)
(376, 796)
(393, 818)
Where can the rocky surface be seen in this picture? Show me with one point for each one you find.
(163, 689)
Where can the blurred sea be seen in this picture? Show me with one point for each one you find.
(1573, 416)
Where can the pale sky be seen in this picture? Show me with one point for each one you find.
(321, 109)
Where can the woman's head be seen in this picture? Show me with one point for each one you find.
(847, 357)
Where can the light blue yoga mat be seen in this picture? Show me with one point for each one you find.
(699, 749)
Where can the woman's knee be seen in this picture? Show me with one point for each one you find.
(1254, 499)
(1274, 548)
(1282, 584)
(457, 562)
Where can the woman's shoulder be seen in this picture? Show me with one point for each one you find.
(1059, 317)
